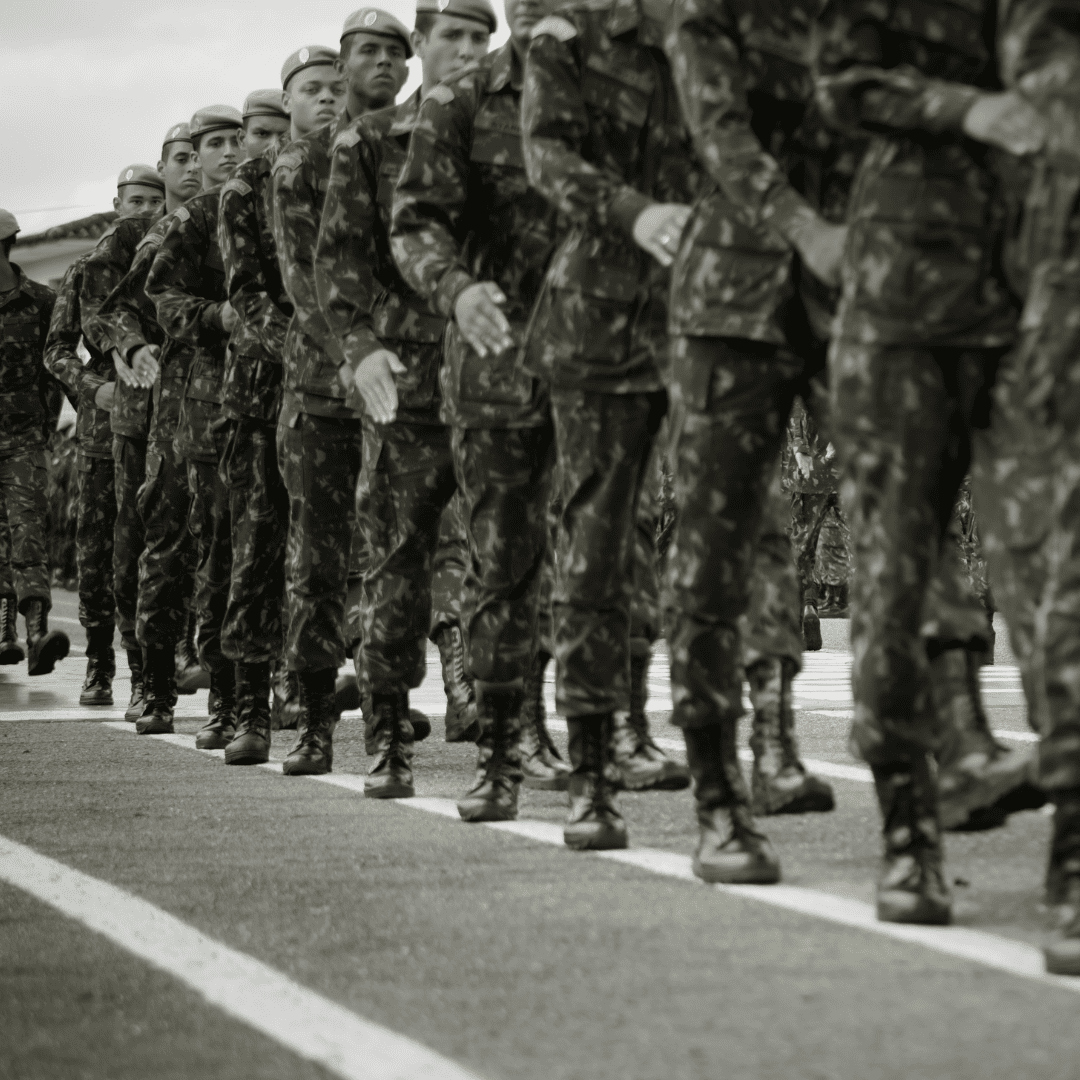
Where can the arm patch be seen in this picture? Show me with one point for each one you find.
(556, 26)
(152, 238)
(441, 93)
(238, 186)
(183, 213)
(347, 139)
(289, 161)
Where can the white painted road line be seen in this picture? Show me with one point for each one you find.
(44, 716)
(989, 950)
(304, 1022)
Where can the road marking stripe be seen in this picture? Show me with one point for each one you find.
(183, 712)
(989, 950)
(304, 1022)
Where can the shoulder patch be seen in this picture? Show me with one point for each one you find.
(346, 139)
(441, 93)
(150, 239)
(289, 160)
(183, 213)
(554, 26)
(239, 186)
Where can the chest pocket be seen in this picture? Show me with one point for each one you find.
(958, 24)
(389, 171)
(611, 85)
(497, 133)
(20, 349)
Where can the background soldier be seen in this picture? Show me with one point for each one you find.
(25, 311)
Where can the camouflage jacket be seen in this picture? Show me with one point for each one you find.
(93, 435)
(923, 259)
(131, 320)
(604, 140)
(252, 384)
(105, 269)
(804, 438)
(742, 70)
(363, 298)
(187, 286)
(300, 177)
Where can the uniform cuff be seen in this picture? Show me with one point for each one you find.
(789, 213)
(453, 284)
(947, 104)
(626, 206)
(359, 345)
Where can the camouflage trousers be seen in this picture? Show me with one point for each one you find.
(820, 538)
(94, 541)
(604, 445)
(319, 458)
(359, 558)
(450, 568)
(505, 479)
(22, 490)
(7, 581)
(210, 524)
(902, 421)
(1027, 495)
(167, 562)
(252, 630)
(966, 528)
(129, 536)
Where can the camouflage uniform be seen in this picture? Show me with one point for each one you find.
(186, 284)
(408, 478)
(252, 630)
(129, 420)
(449, 569)
(94, 460)
(464, 213)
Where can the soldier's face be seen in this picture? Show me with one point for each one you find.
(139, 199)
(450, 45)
(259, 132)
(523, 15)
(375, 67)
(181, 172)
(314, 97)
(219, 154)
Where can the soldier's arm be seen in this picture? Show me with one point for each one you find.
(430, 200)
(345, 255)
(554, 124)
(703, 44)
(61, 345)
(127, 316)
(245, 272)
(1039, 49)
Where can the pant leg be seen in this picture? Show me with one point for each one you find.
(22, 484)
(210, 524)
(259, 511)
(129, 536)
(319, 459)
(7, 579)
(94, 542)
(832, 561)
(505, 477)
(167, 559)
(450, 568)
(808, 510)
(604, 442)
(645, 618)
(902, 422)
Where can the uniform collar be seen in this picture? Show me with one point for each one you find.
(505, 69)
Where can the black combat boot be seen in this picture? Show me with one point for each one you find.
(159, 682)
(251, 743)
(731, 850)
(100, 667)
(11, 652)
(780, 783)
(541, 765)
(45, 646)
(190, 674)
(313, 752)
(911, 887)
(640, 765)
(980, 782)
(594, 822)
(811, 626)
(494, 794)
(138, 687)
(219, 729)
(461, 722)
(1063, 885)
(391, 744)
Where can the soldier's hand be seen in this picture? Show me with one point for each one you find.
(229, 318)
(1006, 120)
(105, 396)
(821, 246)
(145, 365)
(124, 372)
(659, 228)
(805, 463)
(478, 311)
(374, 379)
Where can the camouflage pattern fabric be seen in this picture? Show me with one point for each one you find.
(129, 535)
(94, 542)
(449, 569)
(22, 490)
(965, 527)
(359, 560)
(210, 525)
(7, 579)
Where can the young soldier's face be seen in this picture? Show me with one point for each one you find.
(181, 171)
(314, 97)
(139, 199)
(374, 66)
(219, 154)
(259, 132)
(523, 15)
(451, 44)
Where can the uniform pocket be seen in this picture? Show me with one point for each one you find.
(487, 380)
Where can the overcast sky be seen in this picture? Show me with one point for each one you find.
(90, 87)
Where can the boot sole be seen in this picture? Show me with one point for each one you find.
(541, 783)
(155, 729)
(54, 651)
(1061, 960)
(95, 700)
(910, 908)
(390, 791)
(607, 841)
(304, 768)
(484, 811)
(214, 742)
(1009, 793)
(806, 804)
(755, 874)
(662, 783)
(12, 656)
(246, 757)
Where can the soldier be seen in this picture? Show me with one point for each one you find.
(251, 633)
(924, 319)
(392, 340)
(186, 284)
(472, 237)
(140, 193)
(25, 311)
(129, 419)
(319, 434)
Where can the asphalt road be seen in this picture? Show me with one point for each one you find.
(162, 915)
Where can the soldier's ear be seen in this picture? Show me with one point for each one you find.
(286, 101)
(116, 203)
